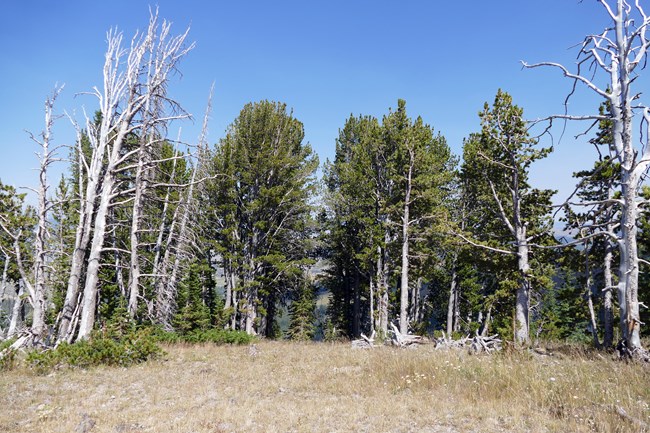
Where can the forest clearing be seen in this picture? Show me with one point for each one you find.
(157, 283)
(317, 387)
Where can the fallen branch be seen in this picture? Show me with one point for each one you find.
(475, 345)
(364, 342)
(21, 342)
(405, 340)
(482, 344)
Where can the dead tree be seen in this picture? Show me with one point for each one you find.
(33, 276)
(620, 52)
(134, 79)
(166, 289)
(47, 157)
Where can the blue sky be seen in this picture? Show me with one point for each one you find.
(325, 59)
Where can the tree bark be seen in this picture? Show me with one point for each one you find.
(523, 291)
(404, 294)
(356, 305)
(451, 306)
(87, 196)
(383, 288)
(3, 285)
(140, 185)
(608, 338)
(15, 312)
(371, 290)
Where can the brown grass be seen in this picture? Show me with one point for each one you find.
(291, 387)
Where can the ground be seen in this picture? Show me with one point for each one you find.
(322, 387)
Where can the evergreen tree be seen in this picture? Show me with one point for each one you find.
(354, 225)
(385, 191)
(302, 311)
(514, 216)
(17, 222)
(261, 208)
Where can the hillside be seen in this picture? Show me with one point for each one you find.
(291, 387)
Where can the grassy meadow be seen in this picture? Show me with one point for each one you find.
(323, 387)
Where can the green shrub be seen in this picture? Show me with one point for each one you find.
(8, 358)
(103, 348)
(215, 336)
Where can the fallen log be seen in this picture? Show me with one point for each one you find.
(364, 342)
(482, 344)
(405, 340)
(475, 345)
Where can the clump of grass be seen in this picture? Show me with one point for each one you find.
(290, 386)
(580, 391)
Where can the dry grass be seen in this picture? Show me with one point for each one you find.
(290, 387)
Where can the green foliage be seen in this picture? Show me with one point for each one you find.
(214, 336)
(367, 183)
(8, 358)
(18, 221)
(108, 348)
(258, 210)
(504, 212)
(302, 325)
(195, 299)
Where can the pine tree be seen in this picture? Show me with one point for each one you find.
(260, 205)
(386, 190)
(514, 216)
(302, 311)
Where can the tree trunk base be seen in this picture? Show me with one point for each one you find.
(626, 352)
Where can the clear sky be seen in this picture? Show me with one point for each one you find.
(325, 59)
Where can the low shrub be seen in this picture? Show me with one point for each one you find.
(8, 359)
(130, 348)
(215, 336)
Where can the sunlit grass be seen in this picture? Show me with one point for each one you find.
(330, 387)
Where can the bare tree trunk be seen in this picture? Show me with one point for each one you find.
(371, 289)
(356, 305)
(251, 314)
(383, 289)
(140, 185)
(415, 301)
(164, 299)
(15, 312)
(47, 157)
(630, 269)
(235, 304)
(34, 281)
(161, 257)
(404, 293)
(404, 287)
(82, 236)
(228, 286)
(451, 307)
(231, 282)
(117, 263)
(250, 308)
(91, 286)
(590, 300)
(3, 285)
(187, 207)
(608, 340)
(486, 323)
(523, 291)
(152, 56)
